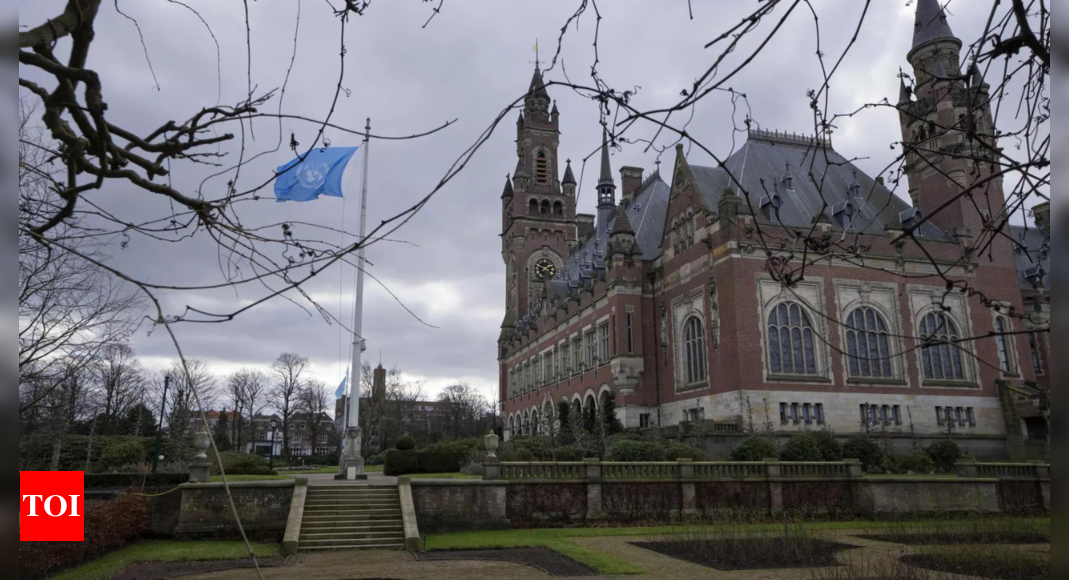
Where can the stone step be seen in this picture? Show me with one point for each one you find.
(347, 490)
(350, 522)
(354, 547)
(399, 536)
(350, 527)
(354, 505)
(351, 544)
(354, 509)
(353, 517)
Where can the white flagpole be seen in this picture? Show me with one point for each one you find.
(352, 462)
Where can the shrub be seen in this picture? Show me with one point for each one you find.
(918, 462)
(377, 459)
(527, 449)
(118, 481)
(119, 454)
(400, 462)
(472, 468)
(444, 462)
(802, 447)
(467, 447)
(830, 447)
(945, 454)
(405, 443)
(890, 464)
(635, 451)
(566, 453)
(108, 526)
(754, 449)
(866, 450)
(237, 463)
(680, 451)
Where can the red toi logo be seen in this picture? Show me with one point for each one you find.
(52, 506)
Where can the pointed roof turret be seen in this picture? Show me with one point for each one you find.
(976, 78)
(519, 169)
(931, 24)
(509, 321)
(519, 121)
(538, 85)
(606, 169)
(555, 111)
(904, 92)
(569, 177)
(508, 188)
(622, 226)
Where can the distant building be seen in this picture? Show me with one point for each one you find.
(300, 443)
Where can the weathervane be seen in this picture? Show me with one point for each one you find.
(537, 62)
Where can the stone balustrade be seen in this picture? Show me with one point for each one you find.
(681, 470)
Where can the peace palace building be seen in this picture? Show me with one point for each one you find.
(665, 297)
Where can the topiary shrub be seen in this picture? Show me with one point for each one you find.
(945, 454)
(405, 443)
(754, 448)
(635, 451)
(400, 462)
(866, 450)
(566, 453)
(237, 463)
(918, 462)
(802, 447)
(377, 459)
(676, 451)
(121, 454)
(830, 447)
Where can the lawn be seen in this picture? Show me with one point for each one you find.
(164, 551)
(239, 478)
(560, 539)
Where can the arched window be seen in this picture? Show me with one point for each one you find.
(558, 210)
(532, 208)
(941, 356)
(1005, 358)
(791, 341)
(868, 344)
(694, 350)
(541, 168)
(545, 208)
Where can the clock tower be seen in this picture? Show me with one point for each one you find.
(538, 227)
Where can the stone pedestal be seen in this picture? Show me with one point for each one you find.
(200, 469)
(351, 466)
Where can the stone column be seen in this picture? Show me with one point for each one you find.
(857, 470)
(594, 509)
(200, 469)
(775, 488)
(688, 488)
(967, 469)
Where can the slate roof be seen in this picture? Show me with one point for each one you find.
(772, 157)
(1032, 252)
(931, 23)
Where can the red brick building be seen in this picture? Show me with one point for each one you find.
(668, 298)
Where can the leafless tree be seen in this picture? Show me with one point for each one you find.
(287, 380)
(391, 413)
(120, 384)
(465, 408)
(192, 385)
(313, 400)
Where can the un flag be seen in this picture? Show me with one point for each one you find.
(318, 174)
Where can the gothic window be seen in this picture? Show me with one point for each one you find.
(1037, 361)
(545, 208)
(694, 350)
(558, 210)
(547, 360)
(577, 349)
(603, 343)
(1005, 355)
(565, 360)
(590, 349)
(868, 344)
(541, 167)
(941, 356)
(532, 208)
(791, 341)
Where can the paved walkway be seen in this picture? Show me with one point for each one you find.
(318, 479)
(384, 565)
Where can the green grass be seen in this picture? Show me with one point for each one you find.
(443, 476)
(560, 539)
(164, 551)
(327, 469)
(238, 478)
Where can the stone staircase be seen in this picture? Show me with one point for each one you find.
(352, 517)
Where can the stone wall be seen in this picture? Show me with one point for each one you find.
(460, 505)
(926, 496)
(1045, 492)
(263, 507)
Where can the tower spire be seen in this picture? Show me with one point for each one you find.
(606, 189)
(606, 170)
(931, 24)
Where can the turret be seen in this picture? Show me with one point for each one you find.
(568, 183)
(606, 188)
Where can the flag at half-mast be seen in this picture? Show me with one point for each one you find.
(319, 173)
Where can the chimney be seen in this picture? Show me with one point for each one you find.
(1042, 214)
(584, 224)
(631, 181)
(378, 384)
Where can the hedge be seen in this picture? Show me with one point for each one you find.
(410, 462)
(134, 480)
(754, 448)
(35, 451)
(802, 447)
(108, 527)
(241, 463)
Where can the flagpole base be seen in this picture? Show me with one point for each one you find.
(351, 466)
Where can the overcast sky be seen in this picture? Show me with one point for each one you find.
(470, 62)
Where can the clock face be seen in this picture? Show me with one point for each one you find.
(545, 269)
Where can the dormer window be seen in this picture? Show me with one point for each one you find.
(541, 168)
(788, 179)
(911, 217)
(770, 204)
(844, 214)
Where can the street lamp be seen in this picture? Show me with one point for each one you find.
(159, 432)
(274, 438)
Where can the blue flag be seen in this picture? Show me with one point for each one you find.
(319, 174)
(341, 388)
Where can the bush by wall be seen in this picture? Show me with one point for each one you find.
(865, 450)
(35, 451)
(754, 448)
(830, 447)
(802, 447)
(237, 463)
(680, 451)
(108, 527)
(945, 454)
(409, 462)
(635, 451)
(120, 453)
(918, 462)
(118, 481)
(400, 462)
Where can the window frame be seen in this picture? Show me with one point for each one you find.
(942, 350)
(694, 352)
(1004, 343)
(604, 352)
(885, 357)
(805, 325)
(1037, 356)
